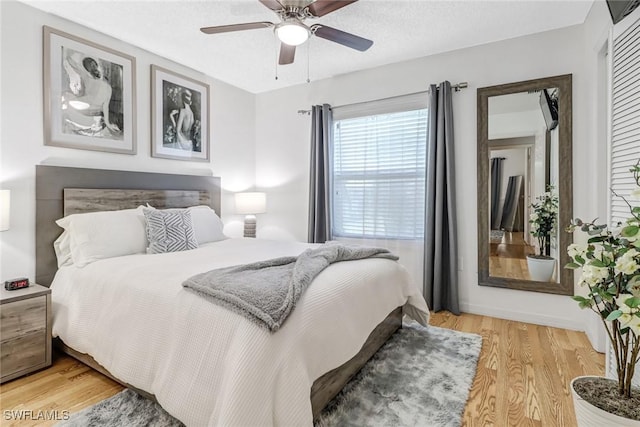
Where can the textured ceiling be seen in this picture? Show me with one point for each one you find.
(401, 30)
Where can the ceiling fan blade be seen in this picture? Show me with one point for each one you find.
(236, 27)
(272, 4)
(287, 54)
(341, 37)
(323, 7)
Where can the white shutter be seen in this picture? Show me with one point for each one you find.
(379, 175)
(625, 128)
(625, 115)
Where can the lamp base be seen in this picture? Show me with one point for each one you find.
(250, 226)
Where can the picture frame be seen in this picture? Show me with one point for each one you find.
(89, 95)
(179, 116)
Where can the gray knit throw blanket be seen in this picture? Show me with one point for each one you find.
(266, 292)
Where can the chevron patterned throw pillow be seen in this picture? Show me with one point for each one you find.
(169, 231)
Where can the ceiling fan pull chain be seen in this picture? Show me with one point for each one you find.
(275, 38)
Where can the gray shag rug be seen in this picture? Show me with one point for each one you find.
(421, 376)
(495, 236)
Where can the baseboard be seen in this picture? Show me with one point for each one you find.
(526, 317)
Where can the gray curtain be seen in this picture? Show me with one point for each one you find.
(440, 243)
(496, 184)
(320, 180)
(511, 205)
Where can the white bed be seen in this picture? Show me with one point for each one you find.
(129, 317)
(205, 364)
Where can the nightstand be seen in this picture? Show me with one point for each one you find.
(25, 331)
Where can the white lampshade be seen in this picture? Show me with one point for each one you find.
(292, 33)
(251, 203)
(5, 209)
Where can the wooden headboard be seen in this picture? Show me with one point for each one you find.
(88, 190)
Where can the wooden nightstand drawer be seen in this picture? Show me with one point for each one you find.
(23, 352)
(25, 331)
(23, 317)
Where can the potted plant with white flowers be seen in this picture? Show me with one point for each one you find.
(610, 270)
(543, 220)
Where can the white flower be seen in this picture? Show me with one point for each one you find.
(576, 249)
(625, 318)
(601, 254)
(631, 254)
(629, 317)
(627, 267)
(627, 264)
(533, 217)
(634, 324)
(620, 302)
(633, 286)
(592, 275)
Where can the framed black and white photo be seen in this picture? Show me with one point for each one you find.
(179, 116)
(89, 95)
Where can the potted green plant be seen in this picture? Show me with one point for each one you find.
(543, 220)
(610, 270)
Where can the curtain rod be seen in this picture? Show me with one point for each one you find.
(456, 88)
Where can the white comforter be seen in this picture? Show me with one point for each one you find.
(205, 364)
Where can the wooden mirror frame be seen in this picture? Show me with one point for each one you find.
(565, 184)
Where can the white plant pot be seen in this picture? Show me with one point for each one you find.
(541, 269)
(588, 415)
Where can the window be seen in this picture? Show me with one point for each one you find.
(379, 175)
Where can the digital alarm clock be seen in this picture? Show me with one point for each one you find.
(13, 284)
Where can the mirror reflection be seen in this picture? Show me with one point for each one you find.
(525, 191)
(523, 143)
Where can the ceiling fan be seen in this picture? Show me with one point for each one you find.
(292, 31)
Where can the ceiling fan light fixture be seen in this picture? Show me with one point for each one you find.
(293, 33)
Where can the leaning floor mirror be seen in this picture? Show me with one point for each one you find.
(525, 191)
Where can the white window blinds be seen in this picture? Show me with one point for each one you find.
(379, 175)
(625, 116)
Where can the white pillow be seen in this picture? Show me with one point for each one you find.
(207, 225)
(100, 235)
(62, 247)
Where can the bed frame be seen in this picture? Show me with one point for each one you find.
(63, 191)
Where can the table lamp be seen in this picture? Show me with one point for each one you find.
(250, 204)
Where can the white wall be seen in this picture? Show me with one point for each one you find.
(594, 151)
(269, 134)
(282, 147)
(515, 124)
(21, 130)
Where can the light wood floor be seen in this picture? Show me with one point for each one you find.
(508, 258)
(524, 371)
(522, 378)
